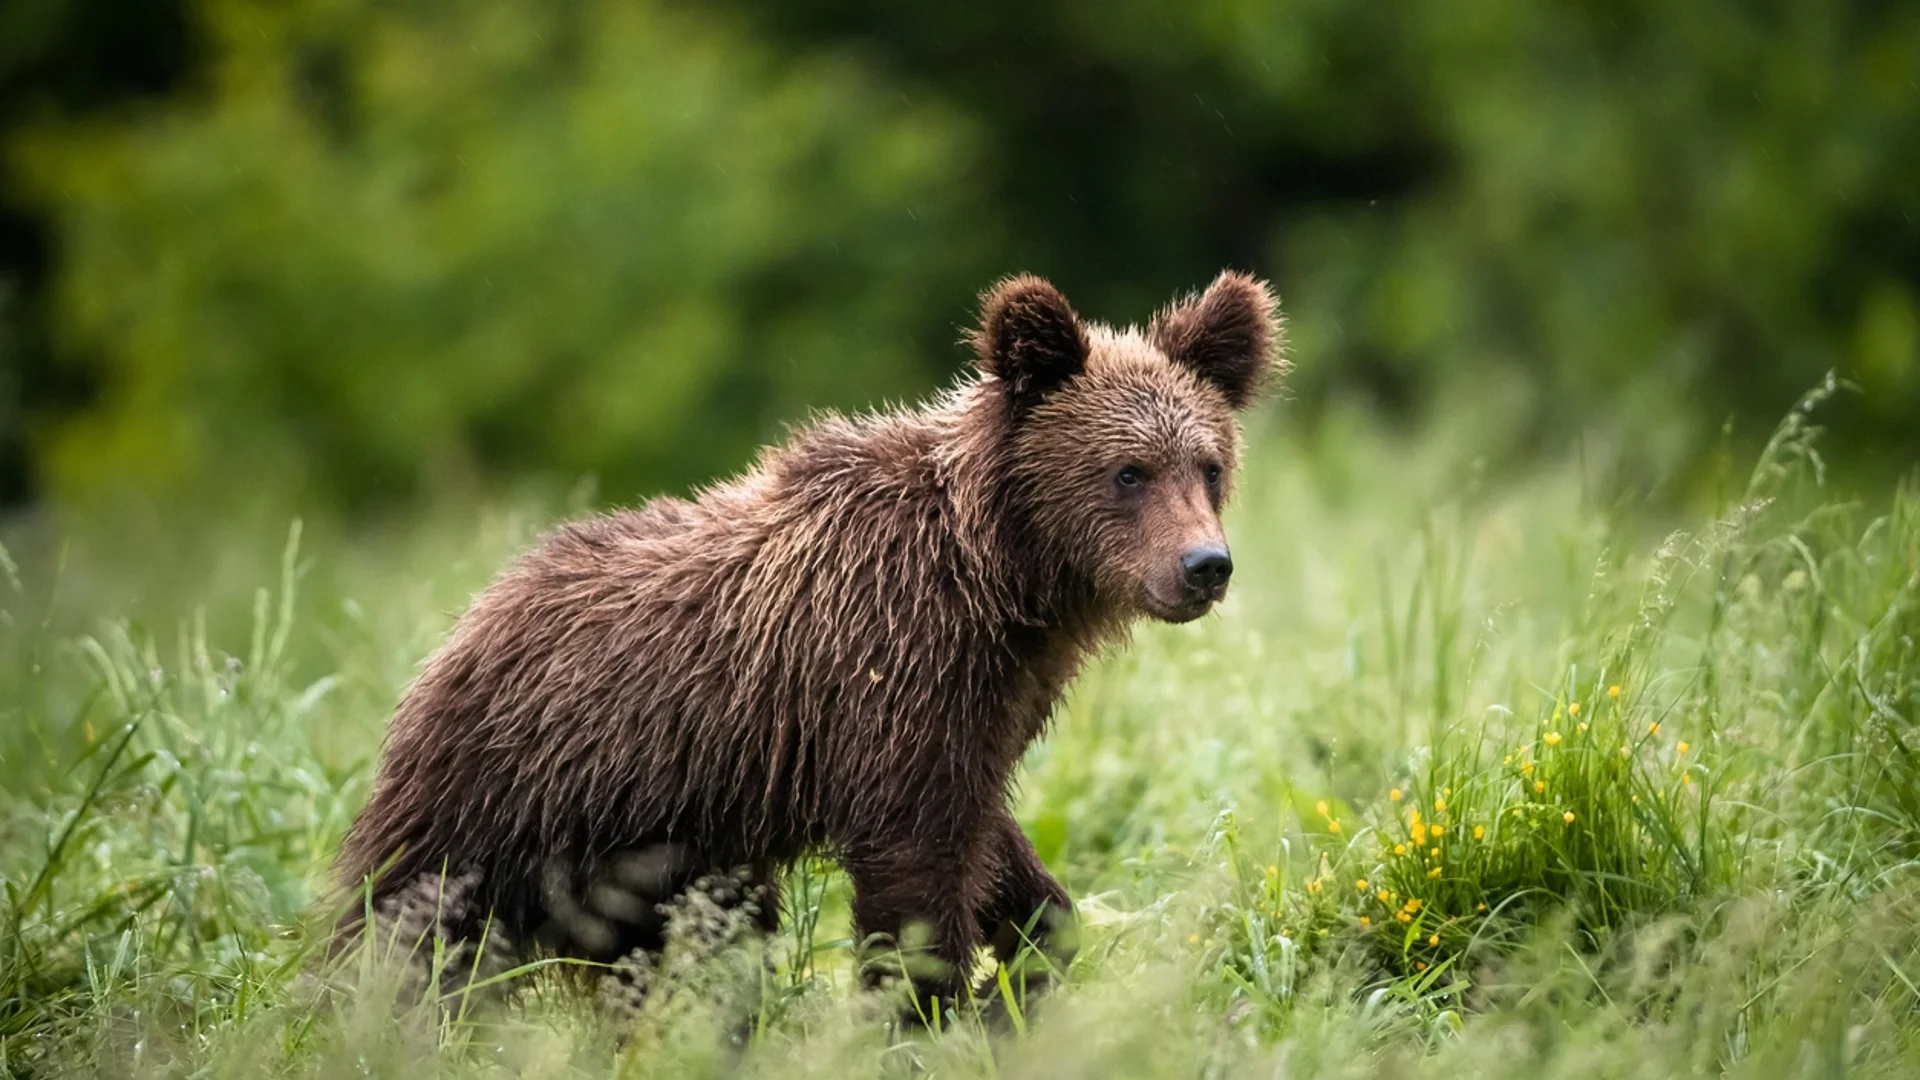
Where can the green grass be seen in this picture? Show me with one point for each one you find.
(1668, 805)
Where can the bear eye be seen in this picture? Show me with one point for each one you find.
(1212, 473)
(1130, 477)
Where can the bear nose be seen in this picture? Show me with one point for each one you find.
(1206, 568)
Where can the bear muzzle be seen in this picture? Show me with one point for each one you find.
(1204, 571)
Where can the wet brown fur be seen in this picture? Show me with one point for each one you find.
(846, 649)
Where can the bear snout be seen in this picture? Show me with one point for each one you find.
(1206, 569)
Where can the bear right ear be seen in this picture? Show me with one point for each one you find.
(1029, 338)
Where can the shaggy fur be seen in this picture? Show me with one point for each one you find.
(847, 649)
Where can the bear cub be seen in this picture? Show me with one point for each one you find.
(845, 650)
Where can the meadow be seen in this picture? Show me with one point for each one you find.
(1529, 774)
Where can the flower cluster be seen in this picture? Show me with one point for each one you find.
(1442, 861)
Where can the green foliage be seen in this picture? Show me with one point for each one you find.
(1731, 894)
(364, 249)
(386, 244)
(1642, 202)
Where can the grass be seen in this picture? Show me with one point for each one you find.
(1470, 777)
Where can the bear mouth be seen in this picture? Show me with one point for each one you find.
(1190, 606)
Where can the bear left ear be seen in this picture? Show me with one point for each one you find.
(1029, 338)
(1231, 335)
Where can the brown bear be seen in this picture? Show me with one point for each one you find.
(846, 650)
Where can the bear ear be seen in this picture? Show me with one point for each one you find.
(1029, 338)
(1231, 335)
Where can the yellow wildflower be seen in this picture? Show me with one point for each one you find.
(1433, 939)
(1573, 708)
(1481, 907)
(1194, 939)
(1420, 965)
(1399, 849)
(1553, 738)
(1653, 728)
(1440, 805)
(1321, 808)
(1683, 746)
(1479, 832)
(1313, 886)
(1419, 834)
(1526, 768)
(1404, 917)
(1434, 873)
(1365, 921)
(1437, 829)
(1613, 691)
(1383, 896)
(1272, 871)
(1333, 826)
(1394, 794)
(1567, 817)
(1361, 884)
(1539, 786)
(1413, 903)
(1582, 729)
(1433, 852)
(1687, 779)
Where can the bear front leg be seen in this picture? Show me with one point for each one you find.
(1025, 906)
(914, 916)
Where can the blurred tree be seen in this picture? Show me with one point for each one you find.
(383, 242)
(1661, 211)
(58, 57)
(389, 241)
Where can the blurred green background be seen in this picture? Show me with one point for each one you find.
(319, 254)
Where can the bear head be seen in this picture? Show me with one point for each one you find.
(1124, 442)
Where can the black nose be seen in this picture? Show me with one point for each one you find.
(1207, 568)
